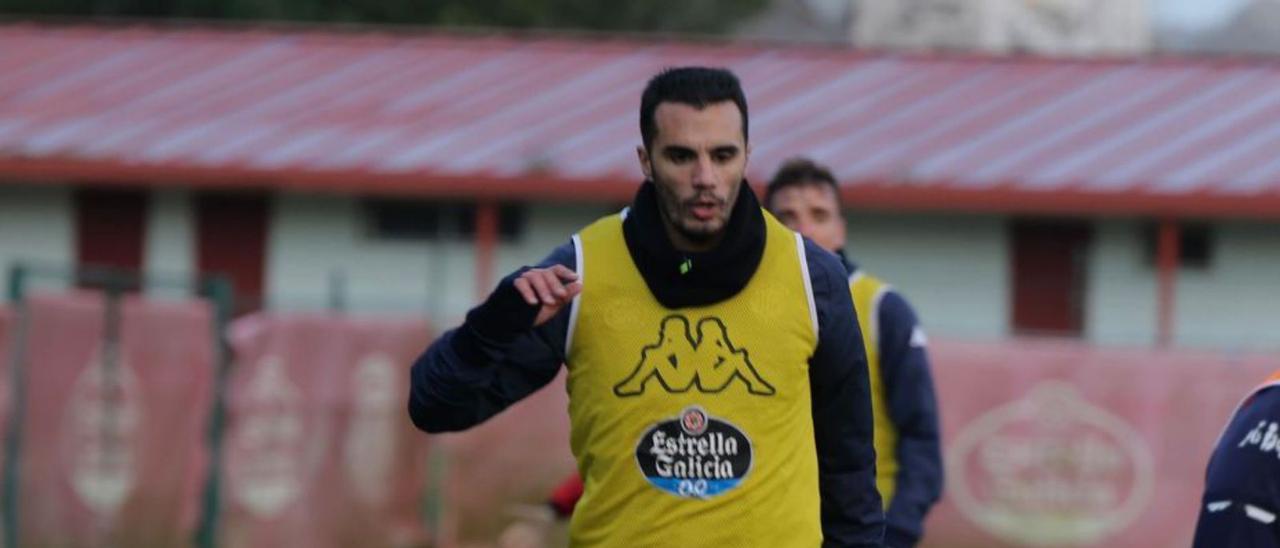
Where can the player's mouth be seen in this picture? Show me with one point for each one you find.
(704, 210)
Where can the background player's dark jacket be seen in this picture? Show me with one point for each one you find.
(1241, 500)
(493, 360)
(913, 408)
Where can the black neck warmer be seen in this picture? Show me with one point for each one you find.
(679, 279)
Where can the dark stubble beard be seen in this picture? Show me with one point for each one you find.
(669, 208)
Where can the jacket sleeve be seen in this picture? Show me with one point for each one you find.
(1241, 501)
(494, 359)
(851, 507)
(913, 409)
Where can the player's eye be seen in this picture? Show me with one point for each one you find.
(679, 155)
(724, 154)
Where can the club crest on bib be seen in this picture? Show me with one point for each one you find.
(694, 455)
(680, 361)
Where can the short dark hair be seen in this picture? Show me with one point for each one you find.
(800, 171)
(693, 86)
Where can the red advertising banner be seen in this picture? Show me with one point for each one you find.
(319, 450)
(1062, 444)
(1047, 443)
(114, 436)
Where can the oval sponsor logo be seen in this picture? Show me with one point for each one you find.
(372, 434)
(694, 455)
(103, 430)
(274, 446)
(1050, 469)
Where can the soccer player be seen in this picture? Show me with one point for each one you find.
(909, 473)
(1242, 484)
(718, 385)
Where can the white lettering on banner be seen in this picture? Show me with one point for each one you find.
(370, 446)
(1050, 469)
(270, 450)
(103, 425)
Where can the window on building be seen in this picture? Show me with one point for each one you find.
(416, 220)
(1195, 245)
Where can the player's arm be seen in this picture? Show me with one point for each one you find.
(913, 408)
(508, 347)
(851, 508)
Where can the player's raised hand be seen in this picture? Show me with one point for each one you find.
(551, 287)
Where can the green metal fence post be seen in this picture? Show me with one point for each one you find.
(17, 376)
(222, 295)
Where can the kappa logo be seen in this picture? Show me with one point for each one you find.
(679, 361)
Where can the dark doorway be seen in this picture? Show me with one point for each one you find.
(111, 231)
(1049, 271)
(231, 240)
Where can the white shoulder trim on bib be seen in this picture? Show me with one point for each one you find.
(577, 299)
(808, 283)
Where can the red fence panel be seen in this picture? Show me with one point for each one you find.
(1063, 444)
(1047, 443)
(319, 449)
(114, 436)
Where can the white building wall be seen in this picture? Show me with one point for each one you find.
(169, 248)
(953, 269)
(312, 238)
(1053, 27)
(1120, 307)
(549, 226)
(1233, 304)
(1228, 305)
(37, 226)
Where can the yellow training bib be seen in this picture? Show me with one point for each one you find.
(692, 426)
(867, 292)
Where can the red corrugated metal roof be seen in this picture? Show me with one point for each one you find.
(502, 115)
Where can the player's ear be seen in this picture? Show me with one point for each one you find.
(646, 166)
